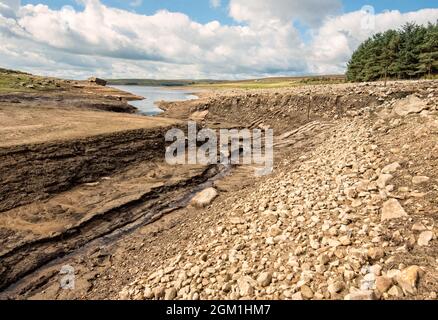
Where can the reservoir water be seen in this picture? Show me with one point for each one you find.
(154, 94)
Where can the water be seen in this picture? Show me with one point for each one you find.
(155, 94)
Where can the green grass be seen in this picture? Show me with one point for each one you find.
(281, 82)
(14, 81)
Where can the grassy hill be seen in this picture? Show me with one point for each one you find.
(277, 82)
(16, 81)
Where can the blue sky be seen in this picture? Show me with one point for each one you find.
(202, 11)
(230, 39)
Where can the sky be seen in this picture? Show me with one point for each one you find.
(194, 39)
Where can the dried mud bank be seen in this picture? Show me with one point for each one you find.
(35, 172)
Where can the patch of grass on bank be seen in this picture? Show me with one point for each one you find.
(15, 81)
(267, 83)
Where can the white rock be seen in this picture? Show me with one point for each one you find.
(424, 238)
(391, 168)
(204, 198)
(383, 180)
(264, 279)
(420, 180)
(411, 104)
(392, 210)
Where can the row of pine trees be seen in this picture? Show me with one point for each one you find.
(408, 53)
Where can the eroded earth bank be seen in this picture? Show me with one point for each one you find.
(349, 212)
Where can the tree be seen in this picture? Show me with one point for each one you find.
(410, 52)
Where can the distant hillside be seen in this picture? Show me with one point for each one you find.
(273, 82)
(159, 83)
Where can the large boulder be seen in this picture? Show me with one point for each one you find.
(97, 81)
(204, 198)
(408, 105)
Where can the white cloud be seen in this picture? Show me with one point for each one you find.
(310, 12)
(336, 40)
(113, 42)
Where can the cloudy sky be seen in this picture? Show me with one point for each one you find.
(230, 39)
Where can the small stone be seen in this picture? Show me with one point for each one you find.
(264, 279)
(356, 203)
(297, 296)
(170, 294)
(383, 284)
(124, 294)
(237, 220)
(384, 180)
(395, 292)
(306, 292)
(345, 240)
(148, 293)
(361, 295)
(418, 227)
(420, 180)
(392, 210)
(391, 168)
(335, 287)
(324, 259)
(245, 288)
(159, 293)
(424, 238)
(408, 279)
(375, 253)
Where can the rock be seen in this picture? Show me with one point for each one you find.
(383, 284)
(383, 180)
(159, 293)
(375, 253)
(297, 296)
(264, 279)
(245, 287)
(361, 295)
(97, 81)
(392, 210)
(345, 240)
(124, 294)
(335, 287)
(409, 105)
(395, 292)
(408, 279)
(148, 293)
(391, 168)
(204, 198)
(420, 180)
(306, 292)
(424, 238)
(170, 294)
(356, 203)
(418, 227)
(324, 259)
